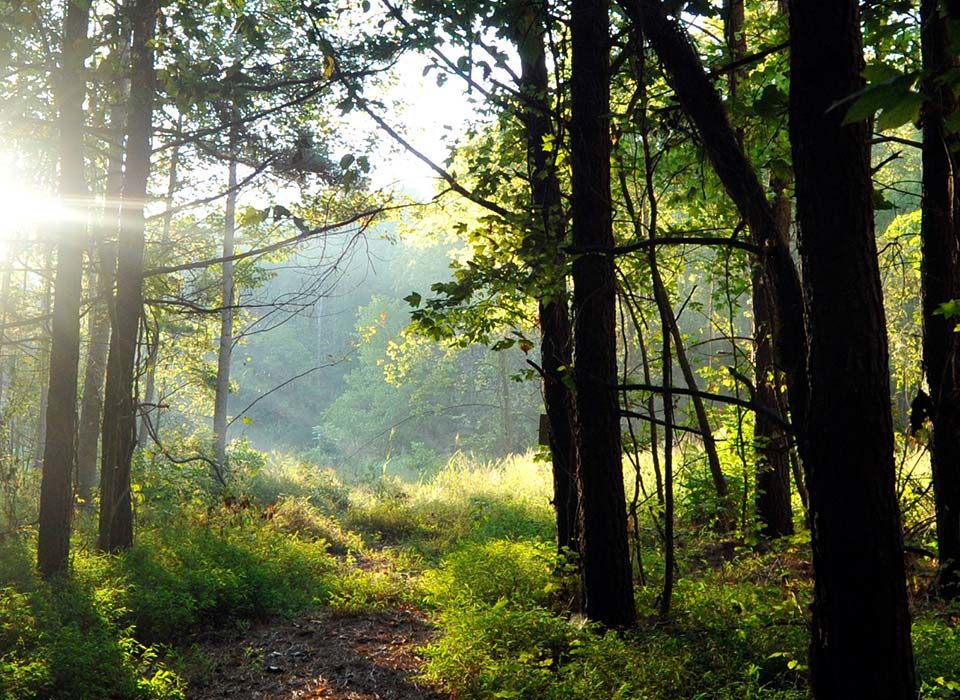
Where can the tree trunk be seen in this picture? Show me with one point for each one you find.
(103, 253)
(726, 519)
(861, 624)
(556, 346)
(226, 320)
(702, 103)
(119, 411)
(940, 282)
(150, 414)
(506, 412)
(606, 572)
(771, 445)
(43, 353)
(59, 457)
(91, 404)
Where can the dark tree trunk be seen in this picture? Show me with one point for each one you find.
(940, 282)
(556, 346)
(607, 579)
(59, 456)
(91, 403)
(103, 262)
(861, 624)
(771, 445)
(726, 518)
(702, 103)
(119, 411)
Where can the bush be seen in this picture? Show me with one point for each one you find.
(69, 640)
(204, 576)
(299, 517)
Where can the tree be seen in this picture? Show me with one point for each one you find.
(225, 345)
(940, 281)
(102, 261)
(702, 103)
(59, 455)
(549, 225)
(861, 624)
(120, 406)
(605, 568)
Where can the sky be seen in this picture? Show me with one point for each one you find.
(433, 117)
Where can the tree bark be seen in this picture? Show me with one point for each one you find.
(59, 457)
(606, 572)
(506, 411)
(556, 346)
(861, 624)
(940, 282)
(43, 352)
(119, 411)
(225, 350)
(103, 253)
(702, 103)
(150, 414)
(91, 403)
(771, 445)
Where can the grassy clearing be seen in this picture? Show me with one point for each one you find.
(473, 546)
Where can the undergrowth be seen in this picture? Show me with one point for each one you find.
(473, 546)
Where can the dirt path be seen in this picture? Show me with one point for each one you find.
(361, 657)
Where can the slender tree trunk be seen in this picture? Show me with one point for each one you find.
(669, 545)
(5, 287)
(44, 355)
(506, 412)
(940, 281)
(771, 445)
(726, 518)
(91, 404)
(119, 411)
(701, 101)
(556, 345)
(59, 457)
(102, 254)
(861, 624)
(226, 320)
(149, 414)
(606, 571)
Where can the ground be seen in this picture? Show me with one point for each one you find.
(370, 656)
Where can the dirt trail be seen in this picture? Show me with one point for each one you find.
(370, 656)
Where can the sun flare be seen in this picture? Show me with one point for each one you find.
(23, 207)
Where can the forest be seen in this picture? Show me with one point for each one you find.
(588, 349)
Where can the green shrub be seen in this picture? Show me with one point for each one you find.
(198, 576)
(519, 573)
(299, 517)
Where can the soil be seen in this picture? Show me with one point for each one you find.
(371, 656)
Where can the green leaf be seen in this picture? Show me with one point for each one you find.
(884, 95)
(247, 420)
(347, 161)
(907, 109)
(948, 309)
(781, 169)
(771, 103)
(413, 299)
(881, 203)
